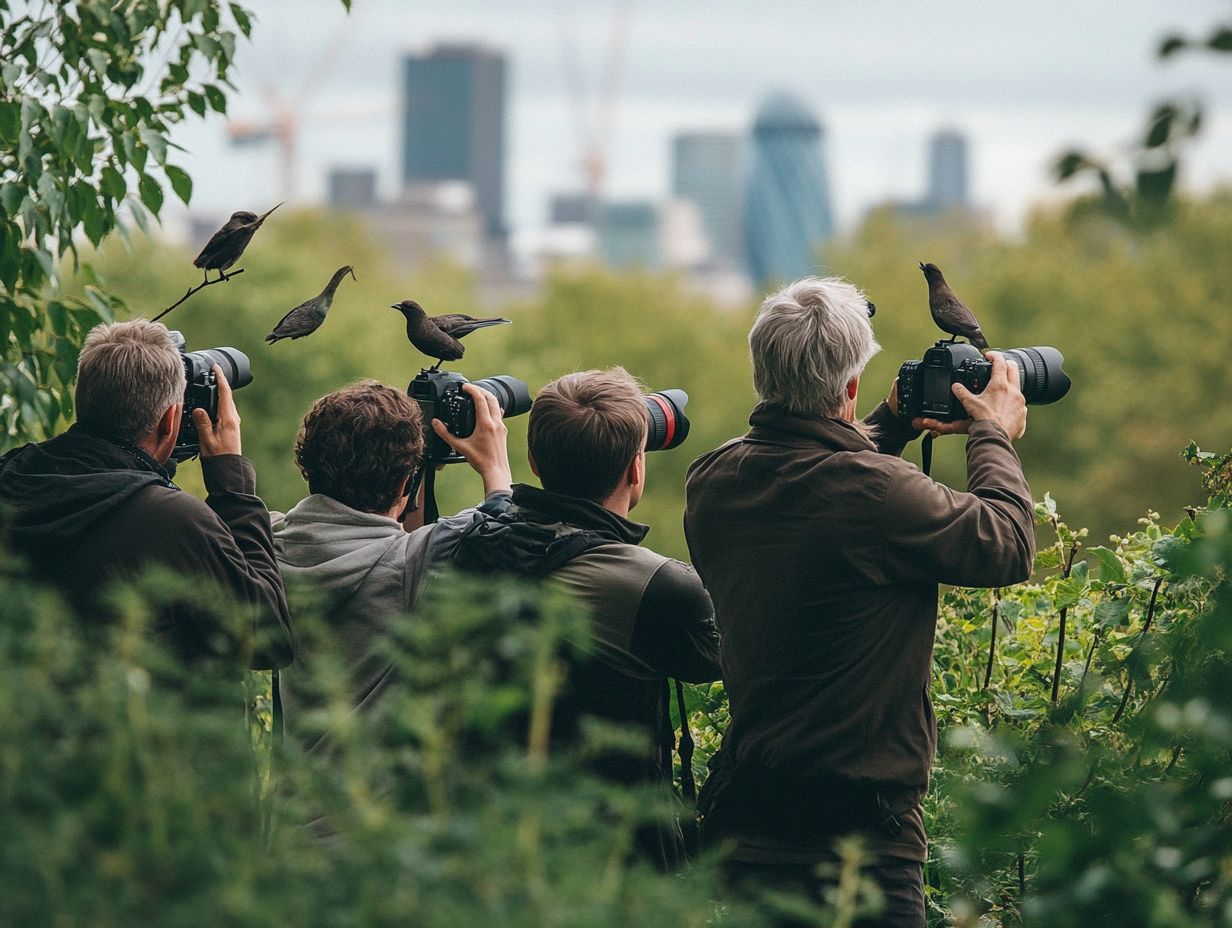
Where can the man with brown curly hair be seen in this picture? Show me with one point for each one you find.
(359, 449)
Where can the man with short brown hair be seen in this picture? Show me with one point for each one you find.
(359, 450)
(650, 616)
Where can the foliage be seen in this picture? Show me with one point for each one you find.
(1155, 160)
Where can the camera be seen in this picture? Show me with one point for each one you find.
(669, 426)
(201, 391)
(440, 396)
(924, 386)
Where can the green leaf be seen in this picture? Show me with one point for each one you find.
(151, 193)
(112, 183)
(218, 100)
(57, 312)
(11, 195)
(242, 19)
(196, 102)
(1112, 613)
(98, 60)
(1171, 45)
(1220, 41)
(155, 142)
(1160, 125)
(1168, 551)
(10, 122)
(1110, 567)
(181, 183)
(134, 150)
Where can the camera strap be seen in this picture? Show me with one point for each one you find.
(926, 453)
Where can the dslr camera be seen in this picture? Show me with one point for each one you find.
(924, 386)
(440, 396)
(201, 391)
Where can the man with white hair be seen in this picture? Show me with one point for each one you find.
(96, 504)
(822, 550)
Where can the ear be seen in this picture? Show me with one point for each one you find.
(402, 486)
(534, 468)
(852, 385)
(636, 473)
(169, 423)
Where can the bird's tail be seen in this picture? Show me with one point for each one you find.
(484, 323)
(978, 339)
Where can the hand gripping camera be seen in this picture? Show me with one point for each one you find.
(201, 391)
(924, 386)
(440, 396)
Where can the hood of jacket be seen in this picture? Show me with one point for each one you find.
(54, 491)
(337, 547)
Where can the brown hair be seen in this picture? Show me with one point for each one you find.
(584, 430)
(359, 443)
(128, 375)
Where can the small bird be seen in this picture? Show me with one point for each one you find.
(307, 317)
(949, 312)
(437, 336)
(228, 243)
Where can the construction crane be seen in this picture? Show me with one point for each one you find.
(594, 130)
(285, 114)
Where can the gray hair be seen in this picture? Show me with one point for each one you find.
(128, 374)
(808, 340)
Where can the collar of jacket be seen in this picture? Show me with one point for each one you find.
(540, 506)
(777, 425)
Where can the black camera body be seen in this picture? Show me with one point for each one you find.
(925, 386)
(201, 390)
(440, 396)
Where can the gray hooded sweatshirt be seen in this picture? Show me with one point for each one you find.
(370, 571)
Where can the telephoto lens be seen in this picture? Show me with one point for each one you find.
(512, 395)
(1039, 373)
(234, 363)
(669, 426)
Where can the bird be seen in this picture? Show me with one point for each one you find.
(949, 312)
(437, 336)
(307, 317)
(228, 243)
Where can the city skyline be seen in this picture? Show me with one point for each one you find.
(872, 82)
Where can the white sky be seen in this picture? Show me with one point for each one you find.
(1023, 79)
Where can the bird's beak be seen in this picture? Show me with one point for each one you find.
(261, 218)
(353, 277)
(395, 306)
(921, 265)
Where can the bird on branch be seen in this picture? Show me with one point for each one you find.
(437, 336)
(307, 317)
(228, 243)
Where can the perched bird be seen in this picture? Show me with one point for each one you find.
(307, 317)
(228, 243)
(949, 312)
(437, 336)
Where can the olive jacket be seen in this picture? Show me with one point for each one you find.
(822, 550)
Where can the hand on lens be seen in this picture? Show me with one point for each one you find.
(223, 436)
(486, 448)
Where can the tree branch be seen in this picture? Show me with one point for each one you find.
(192, 290)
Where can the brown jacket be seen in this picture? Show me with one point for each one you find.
(822, 551)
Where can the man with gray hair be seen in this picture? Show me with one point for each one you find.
(822, 550)
(96, 504)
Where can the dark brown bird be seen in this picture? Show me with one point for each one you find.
(437, 336)
(949, 312)
(307, 317)
(228, 243)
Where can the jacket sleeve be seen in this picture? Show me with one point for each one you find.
(890, 433)
(242, 556)
(674, 631)
(984, 537)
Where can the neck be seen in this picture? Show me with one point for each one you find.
(337, 279)
(619, 503)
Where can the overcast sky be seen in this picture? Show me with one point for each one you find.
(1023, 80)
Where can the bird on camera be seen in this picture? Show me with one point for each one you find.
(437, 336)
(228, 243)
(307, 317)
(949, 312)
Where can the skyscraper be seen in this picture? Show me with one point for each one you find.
(706, 170)
(787, 203)
(947, 171)
(454, 124)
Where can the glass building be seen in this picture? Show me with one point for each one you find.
(947, 171)
(454, 124)
(706, 170)
(787, 200)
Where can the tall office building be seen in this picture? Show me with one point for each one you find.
(706, 170)
(947, 171)
(787, 202)
(454, 124)
(351, 188)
